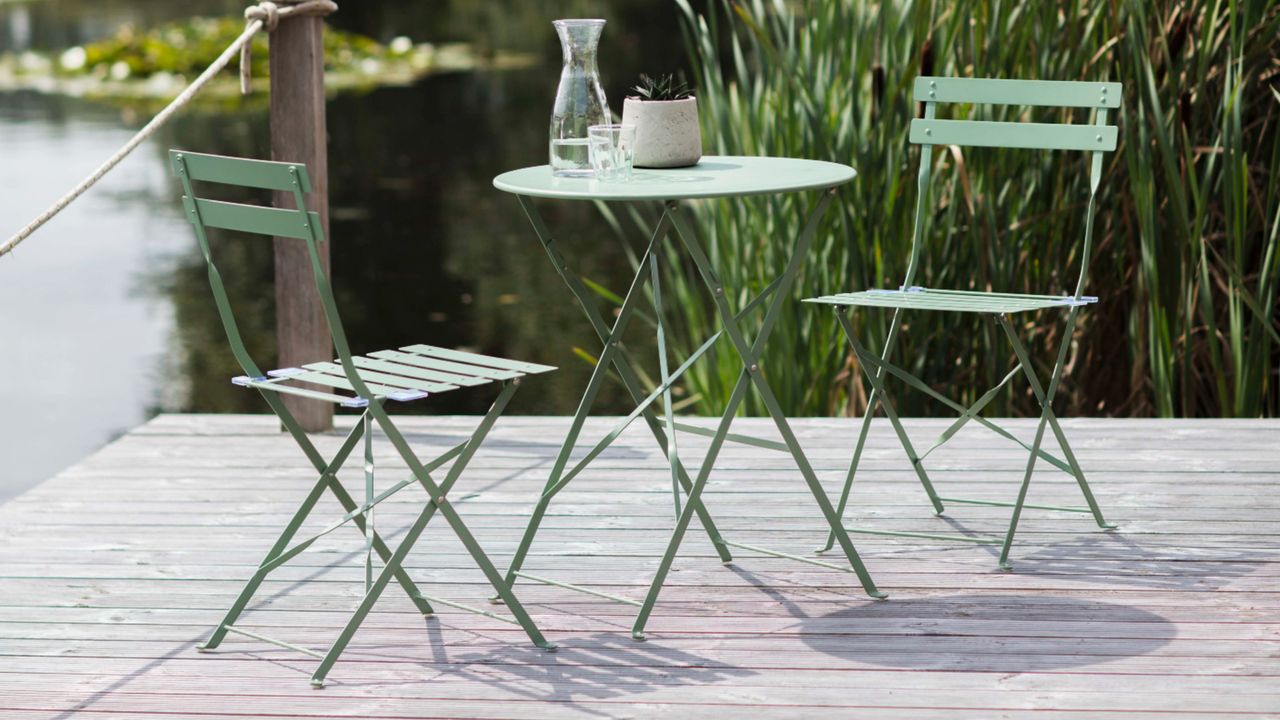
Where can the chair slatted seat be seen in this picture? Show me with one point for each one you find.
(391, 374)
(366, 382)
(920, 298)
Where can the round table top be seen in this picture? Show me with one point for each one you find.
(713, 176)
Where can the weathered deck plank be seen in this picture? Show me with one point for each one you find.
(111, 572)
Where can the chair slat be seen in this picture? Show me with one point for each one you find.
(467, 371)
(252, 218)
(395, 368)
(453, 367)
(376, 379)
(319, 377)
(478, 359)
(992, 91)
(277, 385)
(246, 172)
(1043, 136)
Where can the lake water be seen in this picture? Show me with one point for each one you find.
(105, 314)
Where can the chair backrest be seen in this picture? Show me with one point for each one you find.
(297, 223)
(1096, 138)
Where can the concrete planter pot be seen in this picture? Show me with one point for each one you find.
(667, 133)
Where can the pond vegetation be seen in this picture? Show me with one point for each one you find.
(1187, 257)
(157, 62)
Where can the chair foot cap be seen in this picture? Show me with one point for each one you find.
(1005, 567)
(496, 600)
(549, 646)
(317, 684)
(637, 635)
(878, 595)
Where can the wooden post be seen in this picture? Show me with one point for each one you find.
(298, 134)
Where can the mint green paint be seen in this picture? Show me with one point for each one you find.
(410, 373)
(991, 91)
(1096, 138)
(983, 133)
(714, 177)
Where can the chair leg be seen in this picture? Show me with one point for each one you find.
(282, 541)
(439, 497)
(1022, 492)
(368, 501)
(1046, 412)
(438, 500)
(380, 547)
(348, 503)
(1078, 474)
(843, 503)
(1024, 359)
(370, 597)
(877, 383)
(867, 416)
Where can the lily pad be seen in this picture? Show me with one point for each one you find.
(156, 64)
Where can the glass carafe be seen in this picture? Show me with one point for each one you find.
(580, 100)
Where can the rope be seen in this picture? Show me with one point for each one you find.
(269, 14)
(264, 15)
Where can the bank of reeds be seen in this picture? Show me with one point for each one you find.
(1186, 260)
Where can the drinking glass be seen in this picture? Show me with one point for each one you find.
(612, 150)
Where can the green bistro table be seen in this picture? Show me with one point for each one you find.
(713, 177)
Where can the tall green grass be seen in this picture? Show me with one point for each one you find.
(1186, 259)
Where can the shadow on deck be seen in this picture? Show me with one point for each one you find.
(112, 571)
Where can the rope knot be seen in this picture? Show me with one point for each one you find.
(266, 11)
(269, 14)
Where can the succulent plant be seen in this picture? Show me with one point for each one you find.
(662, 87)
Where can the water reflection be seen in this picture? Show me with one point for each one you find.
(113, 294)
(81, 346)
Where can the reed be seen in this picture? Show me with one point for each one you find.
(1186, 261)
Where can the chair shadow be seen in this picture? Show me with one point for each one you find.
(1120, 559)
(592, 667)
(1148, 566)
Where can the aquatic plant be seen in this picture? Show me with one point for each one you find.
(1187, 258)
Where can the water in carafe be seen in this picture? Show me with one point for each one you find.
(580, 101)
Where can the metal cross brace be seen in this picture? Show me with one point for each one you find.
(775, 293)
(875, 369)
(361, 516)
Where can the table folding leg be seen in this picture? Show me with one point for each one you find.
(664, 428)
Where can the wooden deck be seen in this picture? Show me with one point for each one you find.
(112, 571)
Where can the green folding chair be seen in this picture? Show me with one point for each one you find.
(365, 382)
(1096, 139)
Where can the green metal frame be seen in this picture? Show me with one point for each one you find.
(303, 225)
(663, 427)
(1097, 139)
